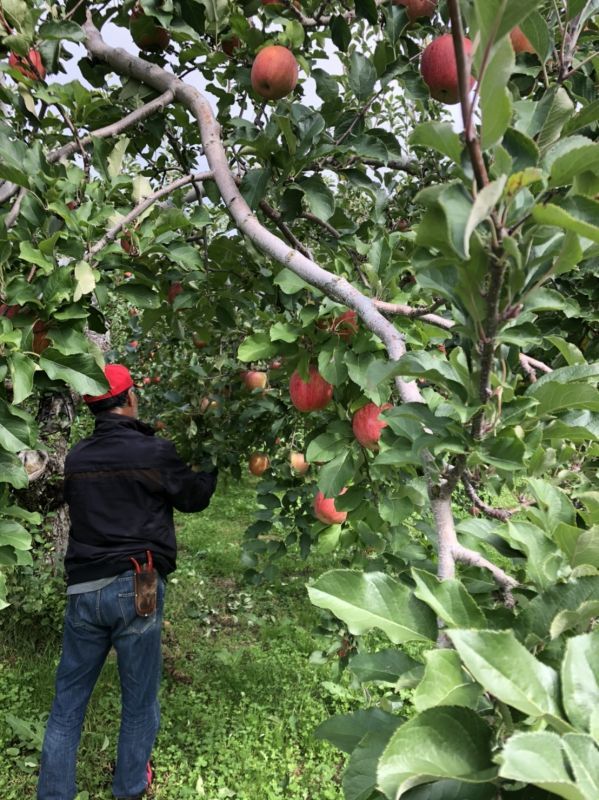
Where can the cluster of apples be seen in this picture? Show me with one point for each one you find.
(315, 394)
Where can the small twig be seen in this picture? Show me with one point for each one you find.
(463, 67)
(276, 217)
(414, 313)
(113, 232)
(502, 514)
(464, 555)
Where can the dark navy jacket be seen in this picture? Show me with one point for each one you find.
(121, 485)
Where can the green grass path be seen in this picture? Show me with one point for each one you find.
(239, 699)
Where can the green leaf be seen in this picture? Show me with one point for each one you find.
(12, 471)
(506, 669)
(256, 347)
(582, 753)
(457, 206)
(360, 775)
(439, 136)
(539, 758)
(254, 185)
(14, 535)
(16, 429)
(362, 75)
(543, 561)
(346, 730)
(586, 116)
(81, 371)
(289, 282)
(340, 32)
(21, 370)
(496, 99)
(569, 157)
(552, 112)
(86, 280)
(12, 160)
(554, 397)
(319, 197)
(496, 18)
(374, 600)
(580, 679)
(577, 619)
(333, 442)
(434, 367)
(62, 29)
(445, 683)
(372, 375)
(139, 294)
(337, 473)
(424, 749)
(115, 159)
(484, 203)
(284, 332)
(576, 214)
(449, 600)
(387, 666)
(28, 253)
(536, 30)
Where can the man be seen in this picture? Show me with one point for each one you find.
(121, 485)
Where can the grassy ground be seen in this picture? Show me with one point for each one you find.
(239, 699)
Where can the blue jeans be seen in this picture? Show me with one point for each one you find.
(94, 622)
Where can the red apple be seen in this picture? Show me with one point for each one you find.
(134, 343)
(199, 343)
(439, 68)
(325, 511)
(31, 67)
(146, 380)
(277, 363)
(174, 289)
(40, 340)
(346, 325)
(310, 395)
(298, 463)
(230, 45)
(9, 311)
(253, 379)
(156, 379)
(274, 72)
(258, 463)
(146, 33)
(417, 8)
(520, 42)
(367, 426)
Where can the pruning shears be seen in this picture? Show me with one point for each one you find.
(147, 567)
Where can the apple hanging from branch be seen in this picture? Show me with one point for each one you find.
(325, 510)
(274, 72)
(438, 67)
(311, 395)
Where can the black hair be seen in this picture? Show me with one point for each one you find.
(102, 406)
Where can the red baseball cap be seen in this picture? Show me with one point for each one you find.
(119, 379)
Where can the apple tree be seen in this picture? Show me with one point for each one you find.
(281, 188)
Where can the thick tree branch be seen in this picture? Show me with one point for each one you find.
(333, 285)
(452, 552)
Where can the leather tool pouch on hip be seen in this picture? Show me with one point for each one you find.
(146, 587)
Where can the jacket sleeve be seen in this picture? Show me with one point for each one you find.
(187, 490)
